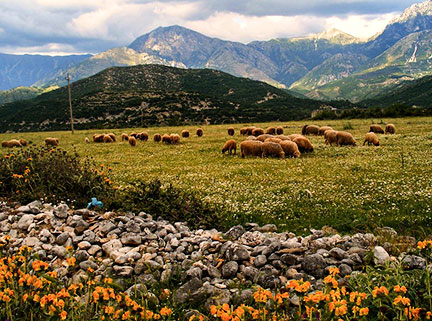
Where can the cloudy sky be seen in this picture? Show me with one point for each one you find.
(92, 26)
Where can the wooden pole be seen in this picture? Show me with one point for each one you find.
(70, 103)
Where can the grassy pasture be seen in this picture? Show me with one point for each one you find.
(348, 188)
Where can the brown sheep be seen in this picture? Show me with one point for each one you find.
(270, 130)
(243, 131)
(185, 133)
(310, 130)
(86, 140)
(323, 129)
(113, 136)
(263, 137)
(290, 148)
(345, 139)
(283, 137)
(51, 141)
(11, 143)
(272, 149)
(376, 129)
(175, 138)
(166, 139)
(251, 138)
(143, 136)
(230, 145)
(303, 144)
(251, 148)
(294, 136)
(5, 143)
(199, 132)
(257, 132)
(133, 134)
(125, 137)
(231, 131)
(250, 130)
(23, 142)
(132, 140)
(279, 130)
(157, 138)
(98, 138)
(371, 138)
(390, 129)
(273, 140)
(108, 139)
(330, 136)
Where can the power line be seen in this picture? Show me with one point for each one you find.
(70, 102)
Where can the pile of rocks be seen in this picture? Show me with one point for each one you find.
(207, 262)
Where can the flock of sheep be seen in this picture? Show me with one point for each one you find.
(49, 141)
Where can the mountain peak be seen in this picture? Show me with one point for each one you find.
(333, 35)
(417, 9)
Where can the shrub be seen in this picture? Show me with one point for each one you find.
(52, 174)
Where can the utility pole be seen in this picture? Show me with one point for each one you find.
(70, 102)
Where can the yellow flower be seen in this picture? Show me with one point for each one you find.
(333, 271)
(398, 288)
(63, 315)
(401, 299)
(126, 315)
(25, 296)
(165, 312)
(364, 311)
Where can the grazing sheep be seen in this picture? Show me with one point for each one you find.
(86, 140)
(283, 137)
(230, 145)
(113, 136)
(257, 132)
(243, 131)
(310, 130)
(11, 143)
(376, 129)
(290, 148)
(199, 132)
(303, 144)
(51, 141)
(272, 149)
(279, 130)
(5, 143)
(323, 129)
(108, 139)
(263, 137)
(371, 138)
(231, 131)
(185, 133)
(294, 136)
(330, 136)
(143, 136)
(270, 130)
(157, 138)
(98, 138)
(166, 139)
(251, 148)
(133, 134)
(390, 129)
(251, 138)
(175, 138)
(23, 142)
(345, 139)
(132, 140)
(250, 130)
(273, 140)
(124, 137)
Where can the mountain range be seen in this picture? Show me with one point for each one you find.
(328, 65)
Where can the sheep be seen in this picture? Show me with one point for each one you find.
(290, 148)
(230, 145)
(273, 140)
(243, 131)
(323, 129)
(11, 143)
(330, 136)
(98, 138)
(185, 133)
(157, 138)
(250, 130)
(133, 134)
(294, 136)
(113, 136)
(257, 132)
(303, 144)
(51, 141)
(5, 143)
(143, 136)
(279, 130)
(166, 139)
(390, 129)
(251, 138)
(23, 142)
(132, 140)
(272, 149)
(283, 137)
(231, 131)
(199, 132)
(263, 137)
(124, 137)
(108, 139)
(251, 148)
(86, 140)
(345, 139)
(371, 138)
(376, 129)
(270, 130)
(175, 138)
(310, 130)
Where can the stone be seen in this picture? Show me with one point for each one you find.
(81, 226)
(59, 251)
(61, 211)
(414, 262)
(31, 241)
(25, 221)
(229, 269)
(268, 228)
(112, 246)
(194, 272)
(235, 232)
(213, 272)
(123, 270)
(337, 253)
(62, 238)
(184, 293)
(345, 269)
(81, 255)
(107, 227)
(85, 265)
(131, 239)
(260, 261)
(314, 264)
(84, 245)
(380, 256)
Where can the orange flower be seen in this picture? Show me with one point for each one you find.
(25, 296)
(165, 312)
(428, 315)
(398, 288)
(63, 315)
(364, 311)
(401, 299)
(213, 310)
(126, 315)
(333, 271)
(381, 290)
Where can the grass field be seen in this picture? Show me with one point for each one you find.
(349, 188)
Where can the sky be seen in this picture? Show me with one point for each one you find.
(59, 27)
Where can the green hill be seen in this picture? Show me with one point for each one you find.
(154, 94)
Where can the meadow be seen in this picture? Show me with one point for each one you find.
(349, 188)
